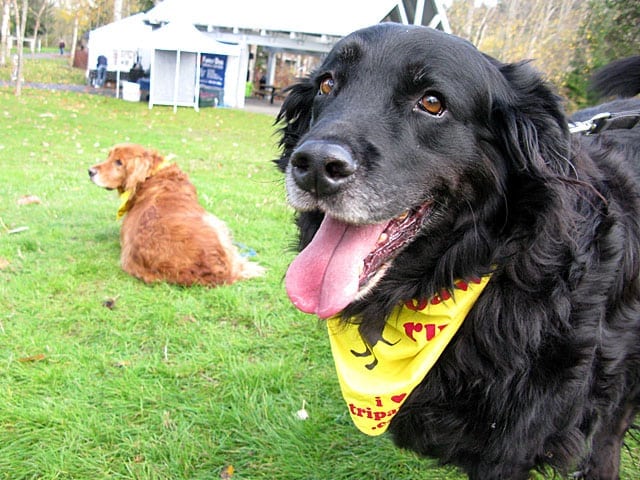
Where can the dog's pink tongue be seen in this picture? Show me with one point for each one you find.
(324, 278)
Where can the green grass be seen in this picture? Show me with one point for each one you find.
(54, 69)
(170, 383)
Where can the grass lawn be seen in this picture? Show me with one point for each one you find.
(170, 383)
(53, 69)
(104, 377)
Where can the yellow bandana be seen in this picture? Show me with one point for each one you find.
(376, 381)
(124, 208)
(124, 196)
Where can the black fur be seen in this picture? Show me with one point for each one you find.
(545, 370)
(618, 79)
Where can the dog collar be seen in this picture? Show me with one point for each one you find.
(124, 196)
(376, 381)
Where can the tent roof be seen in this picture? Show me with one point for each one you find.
(126, 32)
(179, 35)
(328, 17)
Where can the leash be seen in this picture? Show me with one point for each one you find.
(606, 121)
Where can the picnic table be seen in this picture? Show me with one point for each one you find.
(267, 91)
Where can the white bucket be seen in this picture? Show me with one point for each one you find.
(130, 91)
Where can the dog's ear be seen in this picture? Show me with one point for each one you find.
(296, 116)
(156, 159)
(530, 122)
(139, 164)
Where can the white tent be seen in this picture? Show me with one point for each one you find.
(305, 26)
(122, 42)
(323, 18)
(279, 25)
(178, 75)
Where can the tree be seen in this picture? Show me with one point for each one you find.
(38, 17)
(77, 15)
(610, 31)
(566, 39)
(544, 31)
(117, 10)
(5, 46)
(21, 25)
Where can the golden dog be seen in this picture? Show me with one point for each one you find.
(166, 235)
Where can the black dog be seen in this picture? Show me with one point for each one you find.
(620, 78)
(416, 162)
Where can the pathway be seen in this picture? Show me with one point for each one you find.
(254, 105)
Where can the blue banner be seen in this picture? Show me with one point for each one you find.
(212, 70)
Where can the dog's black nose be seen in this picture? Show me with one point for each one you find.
(92, 172)
(321, 167)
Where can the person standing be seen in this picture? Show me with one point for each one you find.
(61, 46)
(101, 72)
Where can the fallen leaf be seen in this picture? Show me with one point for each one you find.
(227, 472)
(4, 263)
(29, 200)
(185, 319)
(38, 357)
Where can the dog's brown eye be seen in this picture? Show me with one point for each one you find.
(118, 163)
(430, 103)
(326, 86)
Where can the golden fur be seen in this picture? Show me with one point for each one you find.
(166, 235)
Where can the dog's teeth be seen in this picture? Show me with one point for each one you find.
(361, 268)
(402, 216)
(382, 238)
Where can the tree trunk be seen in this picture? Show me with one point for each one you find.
(21, 26)
(5, 49)
(117, 10)
(37, 25)
(74, 40)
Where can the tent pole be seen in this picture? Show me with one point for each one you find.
(271, 67)
(152, 67)
(118, 73)
(196, 105)
(176, 82)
